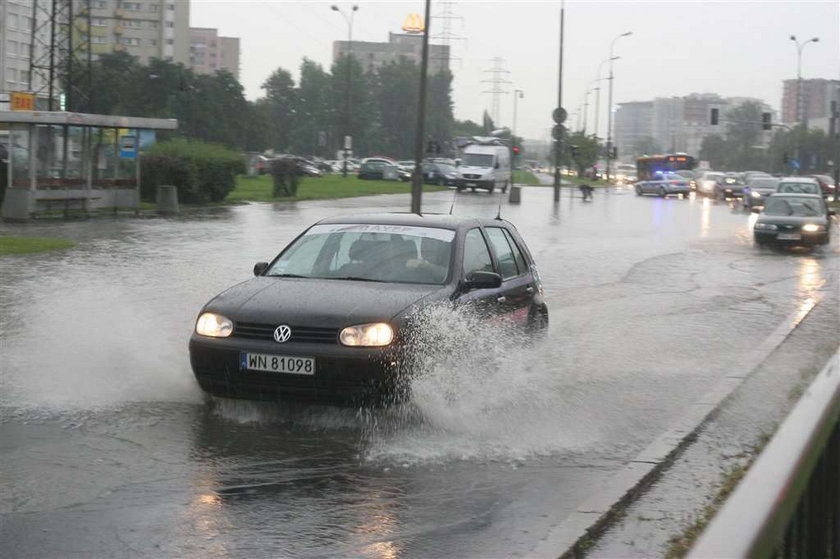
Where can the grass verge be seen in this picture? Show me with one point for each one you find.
(525, 177)
(26, 245)
(258, 189)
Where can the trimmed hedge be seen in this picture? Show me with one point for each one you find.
(202, 172)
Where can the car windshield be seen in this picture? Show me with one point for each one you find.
(477, 160)
(799, 187)
(369, 252)
(443, 168)
(791, 206)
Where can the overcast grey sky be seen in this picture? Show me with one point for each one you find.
(677, 47)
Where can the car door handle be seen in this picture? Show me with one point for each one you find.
(529, 289)
(501, 299)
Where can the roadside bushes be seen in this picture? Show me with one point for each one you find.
(202, 172)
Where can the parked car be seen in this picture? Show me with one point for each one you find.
(794, 219)
(381, 170)
(440, 174)
(799, 185)
(758, 189)
(669, 183)
(332, 316)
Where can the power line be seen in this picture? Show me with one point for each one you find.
(497, 82)
(445, 37)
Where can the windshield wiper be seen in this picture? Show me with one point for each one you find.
(357, 278)
(286, 276)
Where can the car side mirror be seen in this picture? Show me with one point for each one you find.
(496, 166)
(260, 268)
(483, 280)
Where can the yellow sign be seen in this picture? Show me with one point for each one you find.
(22, 101)
(413, 24)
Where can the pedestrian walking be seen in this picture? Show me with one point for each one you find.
(586, 191)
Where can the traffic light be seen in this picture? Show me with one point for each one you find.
(765, 121)
(516, 150)
(574, 150)
(714, 116)
(614, 153)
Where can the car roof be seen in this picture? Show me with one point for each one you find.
(798, 179)
(442, 221)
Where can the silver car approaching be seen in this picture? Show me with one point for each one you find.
(669, 183)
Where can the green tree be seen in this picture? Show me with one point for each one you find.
(582, 151)
(279, 108)
(313, 110)
(715, 150)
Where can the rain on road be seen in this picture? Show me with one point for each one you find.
(108, 447)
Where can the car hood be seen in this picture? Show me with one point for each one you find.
(763, 191)
(792, 220)
(319, 303)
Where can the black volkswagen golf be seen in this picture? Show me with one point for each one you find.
(330, 318)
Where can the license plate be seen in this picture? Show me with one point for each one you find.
(789, 236)
(277, 363)
(470, 184)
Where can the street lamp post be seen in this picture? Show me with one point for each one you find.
(801, 116)
(599, 79)
(610, 101)
(349, 20)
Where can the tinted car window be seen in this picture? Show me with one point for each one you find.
(476, 253)
(521, 263)
(507, 262)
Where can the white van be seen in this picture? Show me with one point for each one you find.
(484, 164)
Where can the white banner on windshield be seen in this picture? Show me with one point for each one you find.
(423, 232)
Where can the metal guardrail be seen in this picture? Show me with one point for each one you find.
(788, 504)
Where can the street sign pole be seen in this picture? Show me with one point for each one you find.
(558, 144)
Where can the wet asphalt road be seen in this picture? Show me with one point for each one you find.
(108, 449)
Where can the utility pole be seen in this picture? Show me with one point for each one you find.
(417, 179)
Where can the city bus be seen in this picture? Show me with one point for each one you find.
(649, 166)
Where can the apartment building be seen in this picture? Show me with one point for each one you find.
(210, 53)
(16, 26)
(817, 95)
(143, 28)
(399, 46)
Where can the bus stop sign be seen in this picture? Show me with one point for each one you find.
(559, 115)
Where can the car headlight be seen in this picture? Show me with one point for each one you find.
(813, 227)
(377, 334)
(755, 194)
(766, 226)
(213, 325)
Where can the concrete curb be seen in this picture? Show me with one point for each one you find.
(594, 514)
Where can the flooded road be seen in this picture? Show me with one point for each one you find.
(107, 447)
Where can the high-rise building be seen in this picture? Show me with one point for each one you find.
(15, 48)
(634, 129)
(817, 95)
(143, 28)
(210, 53)
(399, 46)
(671, 124)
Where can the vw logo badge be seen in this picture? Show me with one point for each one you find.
(282, 334)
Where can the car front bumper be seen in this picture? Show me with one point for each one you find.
(475, 183)
(342, 374)
(805, 239)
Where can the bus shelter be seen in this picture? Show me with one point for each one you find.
(63, 161)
